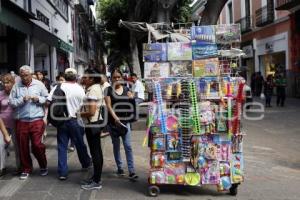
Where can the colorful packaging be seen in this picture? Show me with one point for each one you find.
(237, 168)
(155, 52)
(211, 174)
(201, 51)
(203, 34)
(179, 51)
(206, 67)
(156, 70)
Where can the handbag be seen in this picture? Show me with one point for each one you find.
(117, 130)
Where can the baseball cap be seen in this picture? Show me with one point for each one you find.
(71, 70)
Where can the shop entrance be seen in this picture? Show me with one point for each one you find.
(271, 63)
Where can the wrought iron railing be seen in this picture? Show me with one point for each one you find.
(265, 15)
(286, 4)
(245, 24)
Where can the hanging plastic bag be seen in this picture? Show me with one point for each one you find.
(262, 96)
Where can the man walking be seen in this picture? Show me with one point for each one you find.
(28, 96)
(71, 128)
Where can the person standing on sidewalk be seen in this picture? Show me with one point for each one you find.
(6, 114)
(71, 128)
(117, 99)
(28, 96)
(138, 89)
(280, 82)
(93, 125)
(268, 90)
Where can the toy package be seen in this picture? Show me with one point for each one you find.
(193, 126)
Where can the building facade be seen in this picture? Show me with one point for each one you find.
(48, 35)
(270, 37)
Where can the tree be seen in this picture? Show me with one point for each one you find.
(126, 45)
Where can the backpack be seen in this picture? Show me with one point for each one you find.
(57, 110)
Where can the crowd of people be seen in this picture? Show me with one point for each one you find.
(265, 88)
(93, 108)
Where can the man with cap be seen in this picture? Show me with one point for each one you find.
(71, 128)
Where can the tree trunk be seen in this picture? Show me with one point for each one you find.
(135, 63)
(211, 13)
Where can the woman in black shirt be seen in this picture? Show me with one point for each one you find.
(120, 104)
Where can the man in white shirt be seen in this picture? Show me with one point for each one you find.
(71, 128)
(138, 89)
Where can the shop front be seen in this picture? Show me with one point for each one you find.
(272, 63)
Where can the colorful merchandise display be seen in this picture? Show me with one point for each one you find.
(193, 125)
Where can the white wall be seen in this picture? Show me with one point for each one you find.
(55, 20)
(279, 42)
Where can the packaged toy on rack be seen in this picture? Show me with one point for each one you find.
(193, 125)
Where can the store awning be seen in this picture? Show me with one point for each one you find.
(15, 21)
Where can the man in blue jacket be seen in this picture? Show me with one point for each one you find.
(28, 96)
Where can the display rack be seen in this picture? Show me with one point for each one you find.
(194, 131)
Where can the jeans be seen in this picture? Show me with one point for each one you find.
(94, 141)
(128, 150)
(71, 129)
(31, 131)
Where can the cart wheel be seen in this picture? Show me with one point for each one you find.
(233, 190)
(153, 191)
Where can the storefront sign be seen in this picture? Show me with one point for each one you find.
(65, 46)
(41, 17)
(248, 50)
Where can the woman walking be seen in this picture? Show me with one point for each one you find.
(268, 90)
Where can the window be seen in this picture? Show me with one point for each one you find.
(61, 6)
(230, 14)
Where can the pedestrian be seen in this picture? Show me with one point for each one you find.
(41, 77)
(138, 89)
(259, 82)
(268, 90)
(28, 96)
(94, 122)
(71, 128)
(104, 84)
(117, 99)
(280, 82)
(4, 140)
(6, 114)
(61, 79)
(252, 84)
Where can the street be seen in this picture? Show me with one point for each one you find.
(272, 166)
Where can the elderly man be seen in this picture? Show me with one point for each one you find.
(71, 128)
(28, 96)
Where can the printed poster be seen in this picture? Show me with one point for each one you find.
(206, 67)
(181, 69)
(203, 34)
(179, 51)
(201, 51)
(155, 52)
(228, 33)
(156, 70)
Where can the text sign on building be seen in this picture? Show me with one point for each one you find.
(41, 17)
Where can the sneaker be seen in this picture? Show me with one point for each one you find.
(87, 181)
(62, 178)
(92, 186)
(71, 149)
(44, 172)
(121, 172)
(133, 176)
(24, 176)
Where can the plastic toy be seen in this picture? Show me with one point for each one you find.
(192, 178)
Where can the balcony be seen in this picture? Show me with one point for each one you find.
(264, 15)
(286, 4)
(245, 24)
